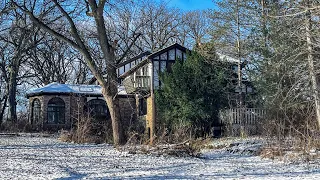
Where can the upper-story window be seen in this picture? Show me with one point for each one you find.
(163, 56)
(121, 70)
(172, 55)
(179, 54)
(127, 67)
(142, 77)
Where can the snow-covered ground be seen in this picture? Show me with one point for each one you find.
(25, 157)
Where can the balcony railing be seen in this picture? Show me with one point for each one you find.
(142, 82)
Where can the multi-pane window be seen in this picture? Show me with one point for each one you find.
(142, 77)
(56, 111)
(163, 66)
(36, 109)
(97, 108)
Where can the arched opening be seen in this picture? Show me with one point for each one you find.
(97, 108)
(35, 111)
(56, 111)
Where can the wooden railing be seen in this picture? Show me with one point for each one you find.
(248, 119)
(243, 115)
(142, 82)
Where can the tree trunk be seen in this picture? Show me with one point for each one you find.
(313, 78)
(241, 103)
(109, 85)
(3, 108)
(117, 128)
(12, 92)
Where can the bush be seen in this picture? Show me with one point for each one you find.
(88, 129)
(22, 124)
(192, 95)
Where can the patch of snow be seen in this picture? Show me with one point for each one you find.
(27, 157)
(247, 147)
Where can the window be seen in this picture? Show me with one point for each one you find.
(163, 66)
(36, 109)
(155, 74)
(56, 111)
(184, 55)
(142, 78)
(172, 54)
(179, 54)
(97, 108)
(169, 68)
(142, 106)
(121, 70)
(132, 64)
(127, 67)
(163, 56)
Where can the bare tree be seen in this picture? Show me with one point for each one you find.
(3, 85)
(161, 27)
(311, 59)
(55, 61)
(15, 41)
(74, 38)
(196, 26)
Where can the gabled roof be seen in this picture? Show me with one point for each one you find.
(146, 53)
(142, 63)
(150, 57)
(175, 45)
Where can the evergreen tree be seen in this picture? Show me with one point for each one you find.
(193, 93)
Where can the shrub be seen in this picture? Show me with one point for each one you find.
(192, 95)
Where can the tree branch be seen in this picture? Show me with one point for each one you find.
(128, 49)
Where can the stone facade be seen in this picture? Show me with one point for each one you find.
(74, 106)
(42, 124)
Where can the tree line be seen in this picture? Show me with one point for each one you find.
(275, 43)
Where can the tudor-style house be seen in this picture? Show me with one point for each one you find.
(55, 106)
(143, 78)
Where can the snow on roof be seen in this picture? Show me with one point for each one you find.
(54, 87)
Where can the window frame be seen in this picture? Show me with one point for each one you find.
(56, 110)
(91, 108)
(35, 111)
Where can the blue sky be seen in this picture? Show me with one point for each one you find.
(188, 5)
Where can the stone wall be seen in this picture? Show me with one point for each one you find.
(36, 125)
(74, 106)
(67, 101)
(42, 124)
